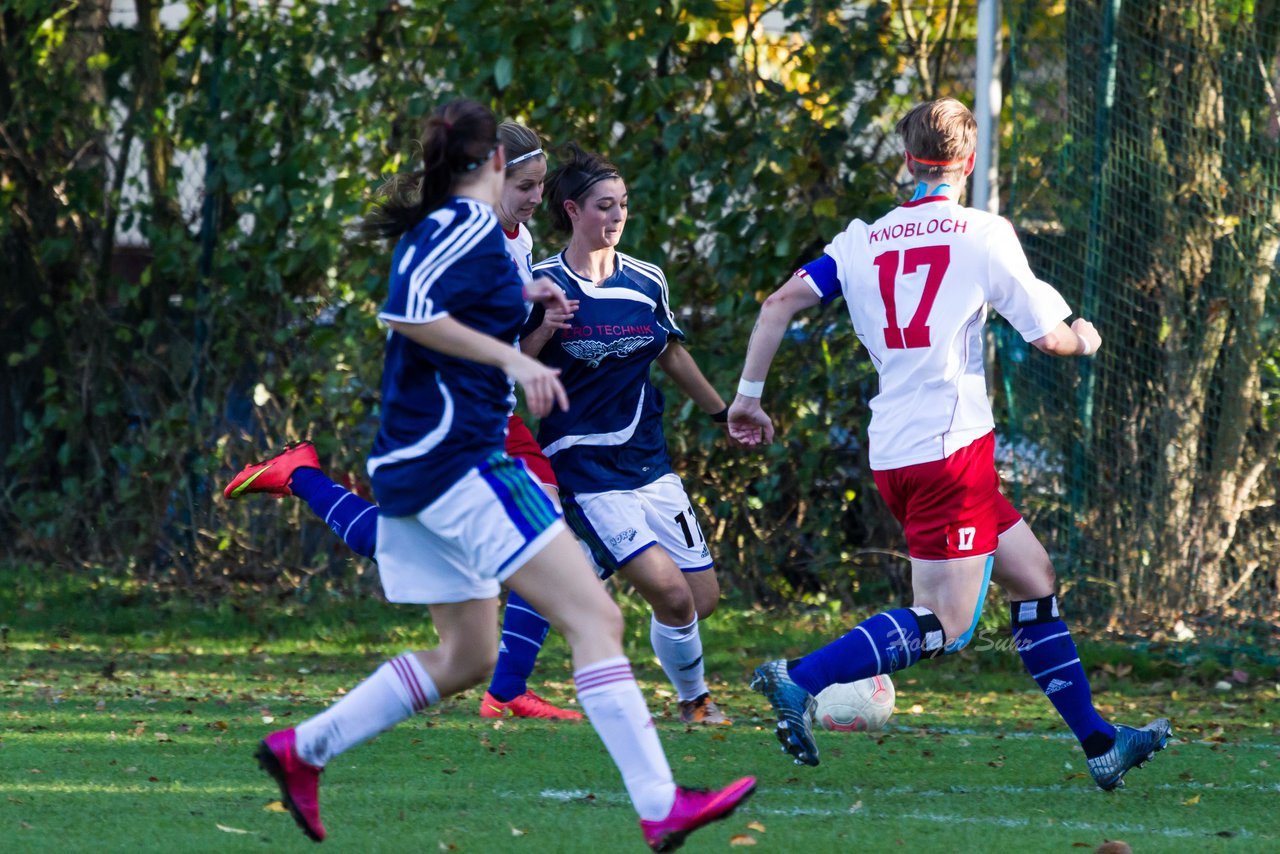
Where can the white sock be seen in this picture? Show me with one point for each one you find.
(612, 701)
(395, 691)
(679, 651)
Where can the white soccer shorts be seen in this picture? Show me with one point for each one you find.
(616, 526)
(469, 540)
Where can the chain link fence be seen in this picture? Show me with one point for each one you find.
(1143, 169)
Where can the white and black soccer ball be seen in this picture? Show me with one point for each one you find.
(862, 706)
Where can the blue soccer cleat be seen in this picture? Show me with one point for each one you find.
(1132, 749)
(794, 707)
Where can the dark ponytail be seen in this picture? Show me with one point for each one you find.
(579, 172)
(458, 137)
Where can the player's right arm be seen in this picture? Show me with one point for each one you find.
(1078, 339)
(748, 422)
(1035, 308)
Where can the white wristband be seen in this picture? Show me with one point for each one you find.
(1086, 348)
(750, 388)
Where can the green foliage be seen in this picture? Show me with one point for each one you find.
(134, 399)
(748, 136)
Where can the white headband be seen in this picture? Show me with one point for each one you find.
(522, 158)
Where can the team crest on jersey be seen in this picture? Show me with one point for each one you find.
(594, 352)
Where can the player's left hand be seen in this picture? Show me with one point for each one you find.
(748, 423)
(547, 293)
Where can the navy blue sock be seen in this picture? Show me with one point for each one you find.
(523, 632)
(1045, 644)
(885, 643)
(352, 518)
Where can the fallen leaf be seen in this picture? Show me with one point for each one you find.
(515, 831)
(857, 805)
(1191, 801)
(742, 839)
(226, 829)
(275, 806)
(756, 826)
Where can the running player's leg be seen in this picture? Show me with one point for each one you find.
(671, 521)
(1023, 569)
(631, 532)
(408, 683)
(560, 583)
(296, 471)
(947, 594)
(395, 691)
(673, 628)
(948, 599)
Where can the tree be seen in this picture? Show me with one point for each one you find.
(1180, 247)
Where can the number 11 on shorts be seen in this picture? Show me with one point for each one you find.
(689, 526)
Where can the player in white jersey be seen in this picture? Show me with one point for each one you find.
(917, 283)
(297, 471)
(621, 496)
(457, 515)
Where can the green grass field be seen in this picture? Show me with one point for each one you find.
(129, 724)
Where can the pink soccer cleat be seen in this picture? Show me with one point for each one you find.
(695, 808)
(299, 782)
(527, 705)
(273, 475)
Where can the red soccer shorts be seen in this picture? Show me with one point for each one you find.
(951, 508)
(522, 446)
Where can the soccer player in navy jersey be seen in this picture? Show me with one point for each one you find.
(297, 470)
(457, 516)
(917, 283)
(621, 496)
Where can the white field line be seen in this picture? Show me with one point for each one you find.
(1059, 736)
(938, 818)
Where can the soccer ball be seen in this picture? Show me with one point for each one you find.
(862, 706)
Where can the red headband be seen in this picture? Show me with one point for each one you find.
(934, 162)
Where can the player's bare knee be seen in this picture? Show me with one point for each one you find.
(705, 602)
(673, 604)
(601, 621)
(608, 621)
(1049, 575)
(471, 663)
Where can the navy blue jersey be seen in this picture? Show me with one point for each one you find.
(443, 415)
(611, 437)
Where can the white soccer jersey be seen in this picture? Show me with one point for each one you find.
(520, 248)
(917, 283)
